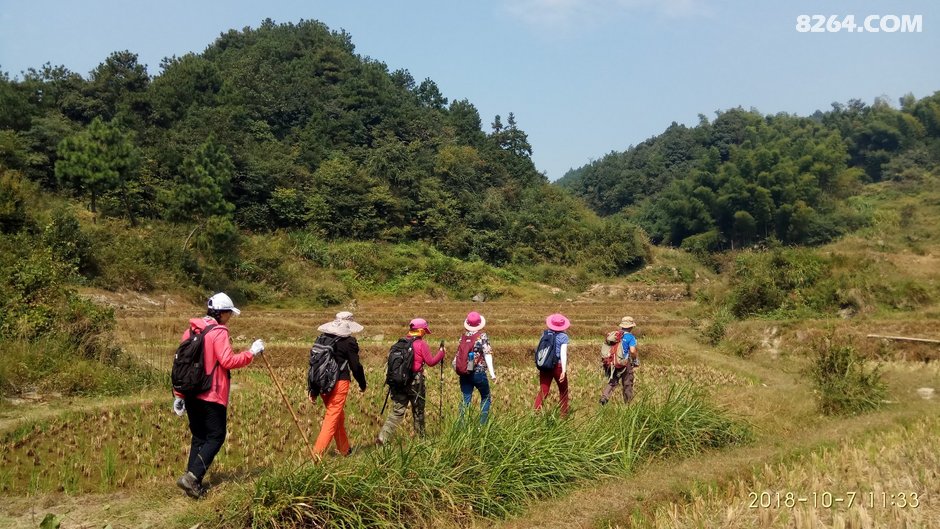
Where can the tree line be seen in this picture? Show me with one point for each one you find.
(285, 127)
(745, 177)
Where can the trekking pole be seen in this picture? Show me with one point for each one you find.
(289, 407)
(387, 393)
(440, 394)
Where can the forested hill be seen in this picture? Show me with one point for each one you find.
(745, 176)
(286, 127)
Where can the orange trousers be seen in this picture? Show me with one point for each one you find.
(334, 422)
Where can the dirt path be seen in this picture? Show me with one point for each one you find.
(158, 508)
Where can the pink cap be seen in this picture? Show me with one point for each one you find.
(419, 323)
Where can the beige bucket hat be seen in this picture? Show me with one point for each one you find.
(343, 325)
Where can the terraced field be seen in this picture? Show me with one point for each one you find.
(116, 461)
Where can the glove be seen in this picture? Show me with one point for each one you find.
(257, 347)
(179, 406)
(635, 362)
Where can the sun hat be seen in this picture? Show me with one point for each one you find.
(474, 322)
(557, 322)
(343, 325)
(627, 322)
(419, 323)
(221, 301)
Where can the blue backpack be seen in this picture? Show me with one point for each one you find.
(546, 357)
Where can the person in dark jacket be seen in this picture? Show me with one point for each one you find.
(346, 351)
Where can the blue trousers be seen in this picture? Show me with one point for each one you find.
(477, 380)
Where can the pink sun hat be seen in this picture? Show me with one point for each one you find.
(474, 322)
(557, 322)
(419, 323)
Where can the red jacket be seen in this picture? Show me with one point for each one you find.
(218, 350)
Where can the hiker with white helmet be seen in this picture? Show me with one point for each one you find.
(201, 385)
(473, 353)
(338, 340)
(412, 389)
(620, 360)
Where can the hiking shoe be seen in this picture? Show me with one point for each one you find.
(603, 401)
(191, 485)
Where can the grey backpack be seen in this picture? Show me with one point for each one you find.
(324, 369)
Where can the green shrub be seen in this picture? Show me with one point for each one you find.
(51, 337)
(795, 282)
(842, 383)
(68, 242)
(50, 365)
(714, 328)
(14, 194)
(492, 471)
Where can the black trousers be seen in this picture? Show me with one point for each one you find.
(207, 422)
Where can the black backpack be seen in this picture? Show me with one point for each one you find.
(189, 372)
(324, 369)
(399, 371)
(545, 356)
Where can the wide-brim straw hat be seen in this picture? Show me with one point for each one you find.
(474, 322)
(343, 325)
(627, 323)
(557, 322)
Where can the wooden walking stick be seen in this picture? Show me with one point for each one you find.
(440, 395)
(289, 407)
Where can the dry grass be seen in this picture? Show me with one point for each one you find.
(878, 470)
(142, 444)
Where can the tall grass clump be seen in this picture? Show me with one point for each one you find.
(842, 382)
(491, 471)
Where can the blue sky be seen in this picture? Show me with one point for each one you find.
(583, 77)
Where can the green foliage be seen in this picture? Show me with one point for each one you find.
(53, 339)
(99, 159)
(780, 279)
(713, 329)
(346, 202)
(64, 236)
(790, 282)
(492, 471)
(746, 177)
(14, 192)
(843, 384)
(404, 269)
(299, 133)
(50, 365)
(37, 301)
(203, 185)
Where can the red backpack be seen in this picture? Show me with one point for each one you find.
(612, 353)
(463, 364)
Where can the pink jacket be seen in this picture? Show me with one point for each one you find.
(218, 350)
(423, 355)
